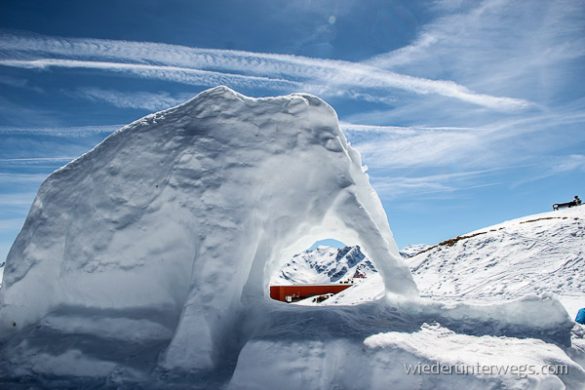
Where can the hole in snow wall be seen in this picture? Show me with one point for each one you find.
(320, 274)
(348, 221)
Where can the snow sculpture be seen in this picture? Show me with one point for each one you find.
(187, 213)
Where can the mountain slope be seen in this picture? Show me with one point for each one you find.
(324, 265)
(534, 254)
(542, 253)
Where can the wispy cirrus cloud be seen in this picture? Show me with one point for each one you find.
(506, 48)
(9, 225)
(33, 161)
(572, 162)
(60, 131)
(502, 143)
(18, 83)
(177, 74)
(509, 60)
(430, 185)
(151, 101)
(496, 45)
(9, 179)
(214, 66)
(22, 200)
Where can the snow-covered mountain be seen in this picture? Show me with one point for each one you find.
(534, 254)
(324, 265)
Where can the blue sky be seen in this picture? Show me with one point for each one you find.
(466, 113)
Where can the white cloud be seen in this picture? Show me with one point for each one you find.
(19, 83)
(423, 148)
(51, 162)
(160, 72)
(12, 200)
(508, 142)
(512, 60)
(496, 45)
(429, 185)
(143, 100)
(10, 225)
(57, 131)
(573, 162)
(7, 179)
(213, 66)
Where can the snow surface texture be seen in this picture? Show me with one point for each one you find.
(539, 253)
(148, 260)
(324, 265)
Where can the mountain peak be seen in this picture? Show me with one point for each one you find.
(325, 265)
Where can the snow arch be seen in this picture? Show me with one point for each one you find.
(188, 211)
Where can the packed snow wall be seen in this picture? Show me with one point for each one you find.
(187, 213)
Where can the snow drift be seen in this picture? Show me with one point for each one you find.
(187, 213)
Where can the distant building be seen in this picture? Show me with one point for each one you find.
(293, 293)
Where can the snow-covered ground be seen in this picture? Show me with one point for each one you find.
(542, 253)
(497, 272)
(146, 263)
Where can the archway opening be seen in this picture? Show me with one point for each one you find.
(328, 272)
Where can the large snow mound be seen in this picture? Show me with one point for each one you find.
(187, 213)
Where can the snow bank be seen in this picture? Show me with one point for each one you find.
(513, 362)
(349, 349)
(367, 290)
(541, 317)
(188, 212)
